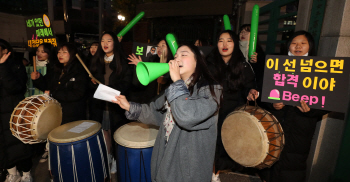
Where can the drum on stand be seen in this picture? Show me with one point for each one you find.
(252, 137)
(34, 118)
(135, 144)
(77, 152)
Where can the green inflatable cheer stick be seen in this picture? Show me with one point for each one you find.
(131, 24)
(253, 31)
(171, 40)
(227, 23)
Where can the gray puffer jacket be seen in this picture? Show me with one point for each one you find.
(189, 154)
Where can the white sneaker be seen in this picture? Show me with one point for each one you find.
(215, 178)
(13, 178)
(44, 157)
(114, 166)
(27, 178)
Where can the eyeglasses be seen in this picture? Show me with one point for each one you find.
(244, 32)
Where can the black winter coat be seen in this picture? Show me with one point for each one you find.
(13, 79)
(70, 91)
(121, 82)
(233, 99)
(299, 129)
(230, 100)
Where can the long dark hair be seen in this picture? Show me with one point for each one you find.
(309, 38)
(93, 44)
(201, 75)
(202, 41)
(118, 61)
(245, 27)
(72, 50)
(50, 51)
(170, 54)
(232, 73)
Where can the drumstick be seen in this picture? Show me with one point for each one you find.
(34, 63)
(162, 58)
(87, 70)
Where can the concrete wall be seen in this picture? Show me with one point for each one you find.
(334, 42)
(303, 16)
(247, 10)
(325, 146)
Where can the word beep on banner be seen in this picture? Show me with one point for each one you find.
(322, 82)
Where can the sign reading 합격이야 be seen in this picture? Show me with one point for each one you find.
(322, 82)
(39, 30)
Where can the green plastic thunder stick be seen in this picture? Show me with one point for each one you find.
(171, 40)
(253, 31)
(227, 23)
(131, 24)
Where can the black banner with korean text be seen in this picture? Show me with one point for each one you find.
(145, 51)
(39, 30)
(322, 82)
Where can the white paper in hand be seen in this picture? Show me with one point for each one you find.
(106, 93)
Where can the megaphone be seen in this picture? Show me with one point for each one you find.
(147, 72)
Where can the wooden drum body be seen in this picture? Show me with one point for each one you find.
(252, 137)
(34, 118)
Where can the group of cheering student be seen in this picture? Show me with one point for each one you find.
(194, 99)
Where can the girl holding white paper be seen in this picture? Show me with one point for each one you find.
(111, 68)
(187, 114)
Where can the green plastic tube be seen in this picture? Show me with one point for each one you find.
(253, 31)
(227, 23)
(147, 71)
(131, 24)
(171, 40)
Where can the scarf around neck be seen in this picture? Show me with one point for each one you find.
(244, 46)
(41, 63)
(169, 120)
(291, 54)
(109, 59)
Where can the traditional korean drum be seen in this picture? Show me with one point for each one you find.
(135, 144)
(252, 137)
(34, 118)
(77, 152)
